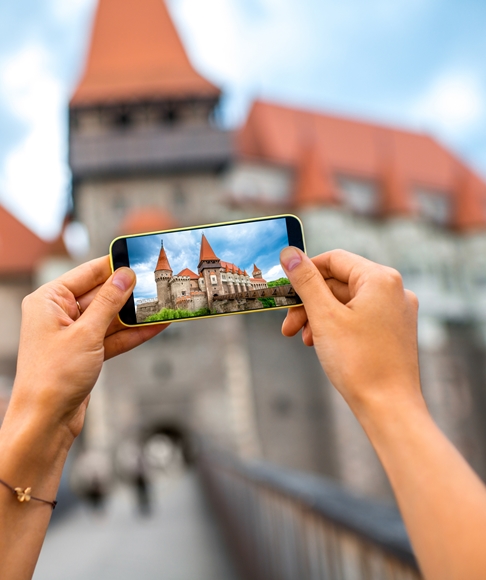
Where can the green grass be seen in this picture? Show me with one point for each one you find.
(169, 314)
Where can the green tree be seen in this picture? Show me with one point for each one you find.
(279, 282)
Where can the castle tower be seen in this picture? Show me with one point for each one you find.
(257, 273)
(210, 267)
(141, 131)
(163, 276)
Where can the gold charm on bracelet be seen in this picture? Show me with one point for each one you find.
(23, 495)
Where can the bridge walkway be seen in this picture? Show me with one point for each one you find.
(180, 540)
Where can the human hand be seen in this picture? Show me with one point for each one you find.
(62, 351)
(362, 322)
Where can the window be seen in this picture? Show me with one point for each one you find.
(358, 194)
(122, 119)
(433, 205)
(179, 197)
(214, 280)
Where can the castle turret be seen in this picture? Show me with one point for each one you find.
(163, 275)
(210, 267)
(257, 273)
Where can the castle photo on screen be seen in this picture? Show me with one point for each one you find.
(214, 270)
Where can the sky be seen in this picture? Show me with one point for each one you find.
(244, 245)
(412, 63)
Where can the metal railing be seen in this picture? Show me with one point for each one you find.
(286, 525)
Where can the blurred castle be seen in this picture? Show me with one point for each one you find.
(190, 291)
(147, 154)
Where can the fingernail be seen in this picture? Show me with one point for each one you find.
(123, 278)
(290, 258)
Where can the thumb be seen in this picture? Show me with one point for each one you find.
(308, 282)
(109, 300)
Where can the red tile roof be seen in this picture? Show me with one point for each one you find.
(136, 54)
(320, 146)
(206, 250)
(229, 267)
(163, 262)
(20, 249)
(147, 219)
(190, 273)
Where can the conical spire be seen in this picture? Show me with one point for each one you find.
(396, 199)
(136, 54)
(469, 196)
(314, 179)
(163, 263)
(207, 252)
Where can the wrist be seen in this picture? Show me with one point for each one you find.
(33, 452)
(382, 411)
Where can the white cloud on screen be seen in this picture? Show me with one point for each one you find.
(274, 273)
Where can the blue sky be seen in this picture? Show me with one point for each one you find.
(413, 63)
(257, 243)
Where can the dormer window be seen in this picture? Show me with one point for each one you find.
(123, 120)
(359, 194)
(433, 205)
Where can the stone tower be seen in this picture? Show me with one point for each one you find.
(210, 267)
(141, 125)
(257, 273)
(163, 275)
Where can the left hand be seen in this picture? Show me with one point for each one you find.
(62, 351)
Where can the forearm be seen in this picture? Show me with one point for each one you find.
(443, 502)
(32, 454)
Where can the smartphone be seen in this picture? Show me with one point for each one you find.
(208, 271)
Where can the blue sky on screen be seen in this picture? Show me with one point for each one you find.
(413, 63)
(257, 243)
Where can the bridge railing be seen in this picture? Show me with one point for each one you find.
(286, 525)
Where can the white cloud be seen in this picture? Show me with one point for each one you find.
(33, 177)
(71, 10)
(453, 105)
(274, 273)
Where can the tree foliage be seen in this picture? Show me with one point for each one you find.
(279, 282)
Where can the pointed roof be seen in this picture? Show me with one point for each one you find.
(190, 273)
(163, 262)
(146, 219)
(255, 269)
(207, 252)
(20, 249)
(470, 196)
(314, 178)
(136, 54)
(395, 199)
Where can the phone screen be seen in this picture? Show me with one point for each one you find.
(208, 271)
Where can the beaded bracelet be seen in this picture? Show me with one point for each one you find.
(24, 495)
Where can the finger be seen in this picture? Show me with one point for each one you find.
(340, 290)
(129, 338)
(309, 284)
(85, 300)
(307, 337)
(87, 276)
(294, 321)
(341, 265)
(108, 301)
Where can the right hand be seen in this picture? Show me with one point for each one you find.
(362, 322)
